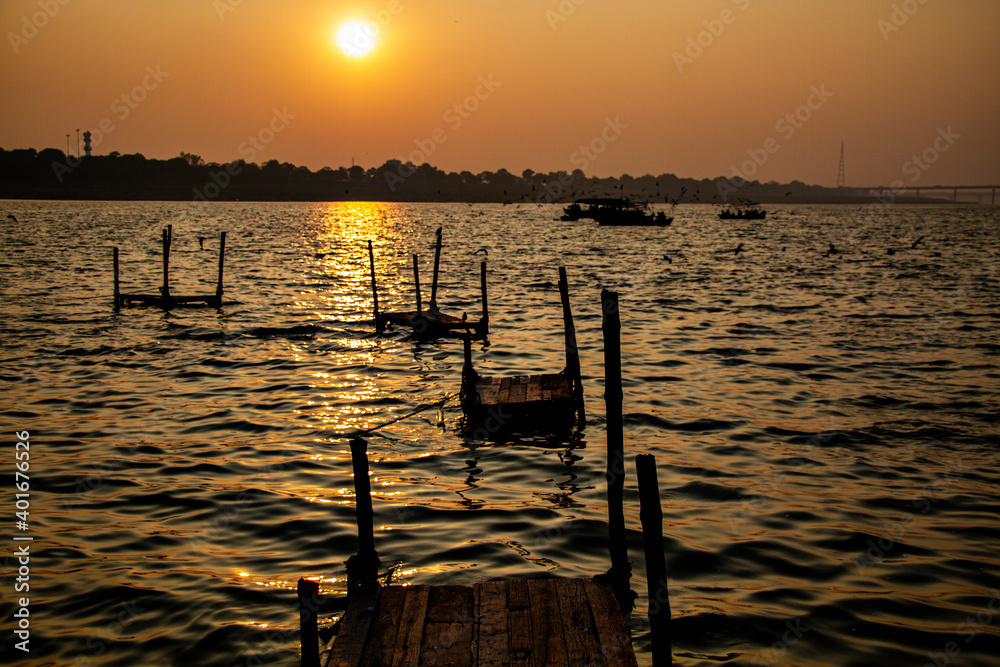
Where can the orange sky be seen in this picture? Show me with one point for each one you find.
(690, 87)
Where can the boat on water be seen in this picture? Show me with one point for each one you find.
(574, 212)
(616, 212)
(743, 214)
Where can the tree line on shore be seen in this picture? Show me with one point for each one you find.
(52, 174)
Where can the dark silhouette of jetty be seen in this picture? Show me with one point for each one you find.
(430, 322)
(554, 621)
(165, 299)
(501, 403)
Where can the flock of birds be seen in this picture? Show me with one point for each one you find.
(832, 250)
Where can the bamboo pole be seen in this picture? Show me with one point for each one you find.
(485, 321)
(118, 292)
(165, 290)
(222, 255)
(308, 592)
(371, 264)
(572, 351)
(362, 568)
(437, 264)
(651, 517)
(621, 569)
(416, 280)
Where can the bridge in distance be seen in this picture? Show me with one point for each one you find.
(978, 191)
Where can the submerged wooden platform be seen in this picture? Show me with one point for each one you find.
(525, 393)
(430, 322)
(426, 321)
(511, 402)
(165, 299)
(534, 622)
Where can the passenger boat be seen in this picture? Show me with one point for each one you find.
(743, 214)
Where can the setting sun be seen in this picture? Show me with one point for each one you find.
(357, 38)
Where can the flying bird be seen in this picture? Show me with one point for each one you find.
(12, 217)
(738, 250)
(482, 250)
(916, 242)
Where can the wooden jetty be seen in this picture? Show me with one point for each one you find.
(530, 622)
(165, 299)
(527, 623)
(503, 402)
(430, 322)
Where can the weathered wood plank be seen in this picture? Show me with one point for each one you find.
(578, 624)
(612, 635)
(546, 624)
(448, 627)
(518, 389)
(505, 390)
(411, 626)
(519, 623)
(349, 647)
(385, 627)
(492, 634)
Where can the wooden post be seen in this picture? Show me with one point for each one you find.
(485, 322)
(621, 569)
(467, 393)
(651, 517)
(362, 568)
(416, 281)
(437, 263)
(371, 264)
(308, 592)
(165, 290)
(572, 351)
(118, 293)
(222, 254)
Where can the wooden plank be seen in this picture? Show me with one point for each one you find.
(578, 624)
(519, 623)
(411, 626)
(354, 626)
(492, 634)
(534, 389)
(505, 390)
(612, 635)
(518, 390)
(546, 624)
(385, 627)
(448, 627)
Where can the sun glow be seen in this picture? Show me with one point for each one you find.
(357, 38)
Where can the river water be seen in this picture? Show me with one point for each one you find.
(824, 425)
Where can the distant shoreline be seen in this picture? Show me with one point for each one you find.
(50, 174)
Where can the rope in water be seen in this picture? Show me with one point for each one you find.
(422, 408)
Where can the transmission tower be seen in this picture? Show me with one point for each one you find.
(841, 181)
